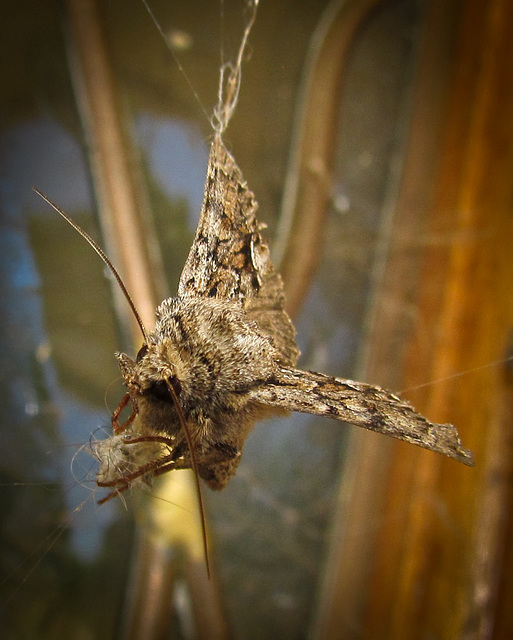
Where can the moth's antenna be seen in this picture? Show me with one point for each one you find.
(230, 79)
(194, 465)
(103, 256)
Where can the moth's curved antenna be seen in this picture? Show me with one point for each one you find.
(194, 465)
(103, 256)
(176, 401)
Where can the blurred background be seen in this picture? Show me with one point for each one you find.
(377, 137)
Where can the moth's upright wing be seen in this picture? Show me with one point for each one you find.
(362, 405)
(229, 258)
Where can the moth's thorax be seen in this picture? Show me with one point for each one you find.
(207, 348)
(210, 345)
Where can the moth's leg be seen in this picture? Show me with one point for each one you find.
(119, 428)
(175, 465)
(123, 482)
(155, 468)
(112, 494)
(216, 465)
(169, 440)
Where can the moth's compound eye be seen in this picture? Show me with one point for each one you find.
(160, 389)
(141, 353)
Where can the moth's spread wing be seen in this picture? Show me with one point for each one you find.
(362, 405)
(229, 258)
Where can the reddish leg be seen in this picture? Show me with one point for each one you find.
(119, 428)
(156, 467)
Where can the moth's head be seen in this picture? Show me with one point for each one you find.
(150, 372)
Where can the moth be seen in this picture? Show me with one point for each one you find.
(223, 355)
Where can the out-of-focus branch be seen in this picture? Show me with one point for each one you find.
(307, 192)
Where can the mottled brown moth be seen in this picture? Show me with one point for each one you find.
(223, 353)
